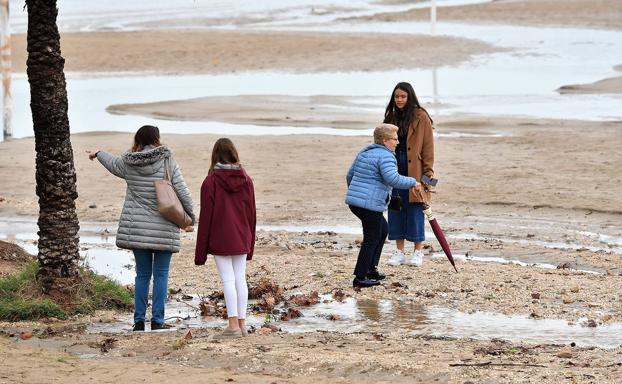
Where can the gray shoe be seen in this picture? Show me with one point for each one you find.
(228, 334)
(244, 331)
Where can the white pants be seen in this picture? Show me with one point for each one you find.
(232, 270)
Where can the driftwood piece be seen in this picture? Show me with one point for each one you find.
(491, 364)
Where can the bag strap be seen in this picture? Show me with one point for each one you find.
(167, 176)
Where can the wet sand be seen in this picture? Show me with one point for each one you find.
(212, 51)
(542, 171)
(268, 110)
(296, 185)
(561, 174)
(533, 165)
(609, 85)
(389, 357)
(596, 14)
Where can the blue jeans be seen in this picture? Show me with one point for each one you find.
(374, 234)
(150, 262)
(409, 222)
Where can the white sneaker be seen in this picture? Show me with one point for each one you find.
(416, 258)
(397, 258)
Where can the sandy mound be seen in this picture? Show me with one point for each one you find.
(230, 51)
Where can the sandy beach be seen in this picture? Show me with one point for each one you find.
(196, 51)
(543, 193)
(541, 13)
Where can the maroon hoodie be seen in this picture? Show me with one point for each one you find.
(228, 217)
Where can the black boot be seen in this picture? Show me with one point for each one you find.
(373, 274)
(364, 283)
(138, 326)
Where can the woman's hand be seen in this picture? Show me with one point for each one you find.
(92, 155)
(416, 188)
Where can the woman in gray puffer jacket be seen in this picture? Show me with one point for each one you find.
(151, 237)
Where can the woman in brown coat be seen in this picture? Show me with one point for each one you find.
(415, 158)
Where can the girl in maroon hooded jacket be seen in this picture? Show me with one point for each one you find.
(227, 229)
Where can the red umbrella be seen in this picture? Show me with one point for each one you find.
(438, 232)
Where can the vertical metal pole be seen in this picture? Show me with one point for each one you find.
(435, 90)
(433, 17)
(5, 64)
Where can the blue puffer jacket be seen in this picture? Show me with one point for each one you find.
(371, 178)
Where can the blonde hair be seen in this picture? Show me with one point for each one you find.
(384, 132)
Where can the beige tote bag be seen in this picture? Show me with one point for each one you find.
(168, 203)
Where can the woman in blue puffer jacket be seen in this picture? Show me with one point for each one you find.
(371, 178)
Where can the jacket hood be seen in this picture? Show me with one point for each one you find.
(227, 166)
(375, 146)
(149, 160)
(230, 179)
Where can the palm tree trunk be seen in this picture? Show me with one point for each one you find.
(55, 173)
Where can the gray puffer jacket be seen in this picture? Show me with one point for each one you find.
(141, 226)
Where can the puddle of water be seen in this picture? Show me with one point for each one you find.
(30, 248)
(97, 244)
(502, 260)
(387, 315)
(116, 264)
(606, 245)
(538, 243)
(182, 313)
(101, 255)
(571, 234)
(24, 229)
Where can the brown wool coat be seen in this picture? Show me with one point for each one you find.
(420, 152)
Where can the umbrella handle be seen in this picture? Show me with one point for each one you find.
(427, 211)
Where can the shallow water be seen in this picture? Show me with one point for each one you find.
(89, 96)
(97, 246)
(503, 83)
(559, 235)
(98, 250)
(383, 315)
(394, 316)
(182, 313)
(116, 264)
(364, 315)
(571, 234)
(520, 82)
(121, 15)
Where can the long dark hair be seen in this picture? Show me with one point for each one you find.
(402, 118)
(224, 152)
(146, 135)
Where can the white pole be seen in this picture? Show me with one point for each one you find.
(433, 32)
(5, 64)
(433, 17)
(435, 91)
